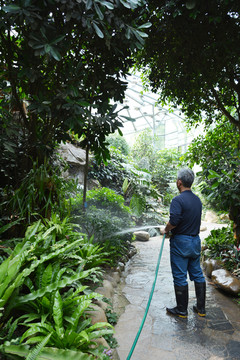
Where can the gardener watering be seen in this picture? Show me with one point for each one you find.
(185, 245)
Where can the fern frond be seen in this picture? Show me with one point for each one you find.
(37, 350)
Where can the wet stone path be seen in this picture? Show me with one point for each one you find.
(216, 337)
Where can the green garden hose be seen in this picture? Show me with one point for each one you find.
(149, 301)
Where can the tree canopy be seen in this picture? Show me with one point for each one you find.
(192, 57)
(61, 62)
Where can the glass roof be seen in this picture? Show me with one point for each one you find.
(168, 126)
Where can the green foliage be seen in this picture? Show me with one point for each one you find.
(103, 218)
(220, 245)
(22, 351)
(143, 151)
(119, 142)
(125, 178)
(165, 172)
(191, 58)
(66, 322)
(105, 198)
(38, 248)
(61, 63)
(218, 241)
(162, 164)
(41, 192)
(218, 155)
(112, 174)
(41, 290)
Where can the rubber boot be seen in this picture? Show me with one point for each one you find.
(181, 293)
(200, 290)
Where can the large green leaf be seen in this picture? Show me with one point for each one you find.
(54, 286)
(58, 314)
(48, 353)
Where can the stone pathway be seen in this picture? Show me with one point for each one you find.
(216, 337)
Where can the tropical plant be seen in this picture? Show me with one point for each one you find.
(162, 164)
(191, 58)
(61, 62)
(219, 158)
(122, 175)
(119, 142)
(41, 289)
(220, 245)
(143, 151)
(41, 192)
(39, 247)
(103, 219)
(164, 172)
(218, 241)
(113, 173)
(64, 320)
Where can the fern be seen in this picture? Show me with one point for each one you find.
(37, 350)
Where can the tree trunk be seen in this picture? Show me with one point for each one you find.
(85, 179)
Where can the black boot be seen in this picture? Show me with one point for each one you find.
(200, 289)
(180, 310)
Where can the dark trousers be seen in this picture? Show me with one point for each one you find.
(185, 258)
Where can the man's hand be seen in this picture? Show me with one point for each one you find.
(168, 228)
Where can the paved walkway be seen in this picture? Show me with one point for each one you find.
(216, 337)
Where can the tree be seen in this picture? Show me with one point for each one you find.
(218, 155)
(192, 57)
(119, 142)
(143, 151)
(59, 61)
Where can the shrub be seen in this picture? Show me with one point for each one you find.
(119, 142)
(41, 192)
(220, 245)
(105, 216)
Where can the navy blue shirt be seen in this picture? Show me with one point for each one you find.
(185, 213)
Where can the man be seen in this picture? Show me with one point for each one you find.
(185, 245)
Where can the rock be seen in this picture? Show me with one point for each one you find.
(210, 265)
(211, 216)
(154, 232)
(102, 304)
(102, 341)
(72, 154)
(93, 184)
(96, 313)
(106, 290)
(203, 228)
(142, 235)
(120, 267)
(132, 252)
(124, 259)
(226, 281)
(116, 276)
(110, 279)
(224, 217)
(76, 159)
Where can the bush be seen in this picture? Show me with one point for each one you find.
(105, 216)
(112, 174)
(42, 192)
(119, 142)
(220, 245)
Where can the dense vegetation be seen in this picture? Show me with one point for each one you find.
(62, 69)
(191, 59)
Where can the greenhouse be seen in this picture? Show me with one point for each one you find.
(168, 128)
(119, 180)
